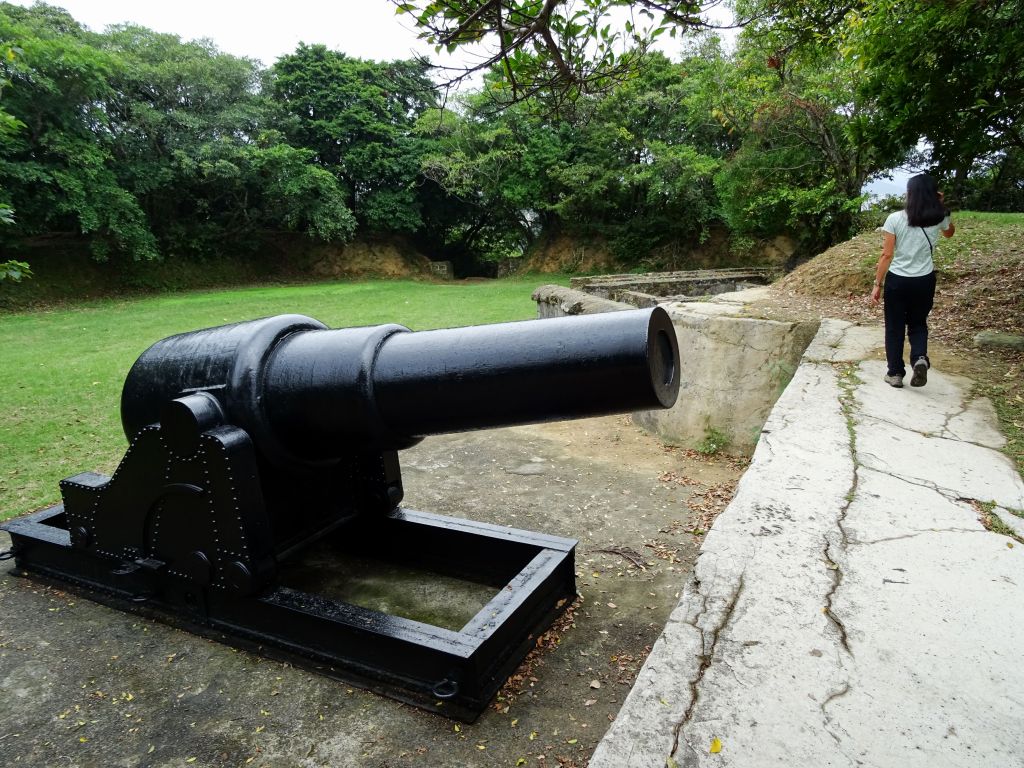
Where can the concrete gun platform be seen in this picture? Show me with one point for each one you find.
(84, 685)
(849, 608)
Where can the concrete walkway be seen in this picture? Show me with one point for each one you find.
(848, 608)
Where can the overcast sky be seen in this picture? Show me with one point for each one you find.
(366, 29)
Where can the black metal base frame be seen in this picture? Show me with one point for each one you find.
(454, 673)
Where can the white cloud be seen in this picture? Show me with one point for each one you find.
(367, 29)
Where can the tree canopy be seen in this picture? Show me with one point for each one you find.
(357, 117)
(148, 145)
(141, 145)
(553, 46)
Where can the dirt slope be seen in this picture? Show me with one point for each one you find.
(980, 287)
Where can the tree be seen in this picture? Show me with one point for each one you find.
(950, 74)
(803, 122)
(59, 176)
(189, 130)
(641, 167)
(492, 167)
(242, 190)
(996, 183)
(632, 166)
(168, 100)
(148, 145)
(358, 117)
(553, 46)
(9, 126)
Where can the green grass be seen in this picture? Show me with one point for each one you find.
(61, 370)
(992, 218)
(714, 441)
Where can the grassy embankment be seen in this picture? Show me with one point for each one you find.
(980, 287)
(62, 369)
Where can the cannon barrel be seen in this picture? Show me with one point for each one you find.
(307, 392)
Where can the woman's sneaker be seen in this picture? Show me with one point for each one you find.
(920, 377)
(894, 381)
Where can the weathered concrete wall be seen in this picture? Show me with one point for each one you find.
(556, 301)
(732, 367)
(674, 286)
(732, 370)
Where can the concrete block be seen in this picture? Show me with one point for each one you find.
(732, 369)
(839, 341)
(942, 408)
(558, 301)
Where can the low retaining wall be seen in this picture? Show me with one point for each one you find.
(649, 289)
(556, 301)
(732, 368)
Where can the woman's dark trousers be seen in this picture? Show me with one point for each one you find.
(908, 300)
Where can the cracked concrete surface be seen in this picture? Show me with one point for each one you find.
(848, 608)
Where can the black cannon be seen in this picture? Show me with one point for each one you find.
(253, 442)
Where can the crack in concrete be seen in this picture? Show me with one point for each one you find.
(949, 494)
(964, 407)
(826, 716)
(862, 542)
(847, 404)
(706, 657)
(833, 696)
(946, 433)
(837, 579)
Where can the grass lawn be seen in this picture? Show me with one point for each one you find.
(61, 370)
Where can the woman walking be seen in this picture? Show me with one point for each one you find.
(906, 270)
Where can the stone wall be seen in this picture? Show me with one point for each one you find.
(556, 301)
(680, 285)
(442, 270)
(733, 367)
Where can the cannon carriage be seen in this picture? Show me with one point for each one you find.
(251, 443)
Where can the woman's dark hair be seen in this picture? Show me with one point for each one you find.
(924, 208)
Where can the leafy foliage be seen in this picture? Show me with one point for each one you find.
(952, 73)
(805, 152)
(144, 145)
(713, 442)
(948, 74)
(58, 167)
(621, 168)
(140, 145)
(995, 183)
(14, 271)
(357, 117)
(552, 47)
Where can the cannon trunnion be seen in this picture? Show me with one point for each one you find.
(252, 443)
